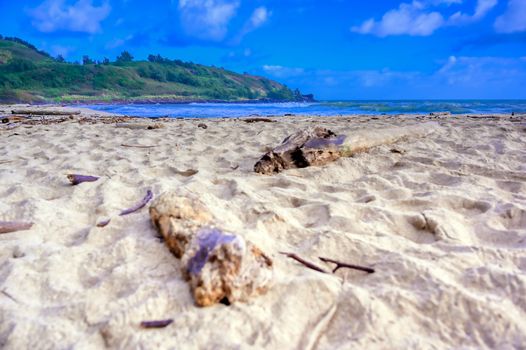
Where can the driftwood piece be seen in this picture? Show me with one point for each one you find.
(340, 265)
(140, 126)
(313, 146)
(76, 179)
(187, 172)
(156, 323)
(13, 226)
(304, 262)
(137, 146)
(255, 120)
(319, 146)
(219, 266)
(103, 223)
(43, 112)
(139, 205)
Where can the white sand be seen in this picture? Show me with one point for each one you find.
(443, 224)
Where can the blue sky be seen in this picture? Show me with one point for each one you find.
(336, 49)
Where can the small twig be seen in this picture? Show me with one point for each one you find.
(9, 296)
(156, 324)
(13, 226)
(138, 146)
(139, 205)
(349, 266)
(304, 262)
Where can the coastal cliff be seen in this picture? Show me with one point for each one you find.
(30, 75)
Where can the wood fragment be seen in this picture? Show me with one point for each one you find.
(43, 112)
(103, 223)
(187, 173)
(138, 146)
(139, 205)
(397, 150)
(156, 323)
(13, 226)
(76, 179)
(304, 262)
(312, 146)
(340, 265)
(255, 120)
(140, 126)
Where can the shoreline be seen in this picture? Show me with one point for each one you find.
(440, 218)
(6, 109)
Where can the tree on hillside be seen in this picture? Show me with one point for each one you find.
(105, 61)
(60, 59)
(125, 56)
(86, 60)
(157, 58)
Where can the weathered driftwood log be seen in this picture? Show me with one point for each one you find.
(43, 112)
(219, 266)
(13, 226)
(319, 146)
(314, 146)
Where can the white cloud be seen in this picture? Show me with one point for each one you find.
(407, 19)
(207, 19)
(514, 19)
(482, 8)
(474, 72)
(259, 17)
(417, 18)
(283, 72)
(82, 16)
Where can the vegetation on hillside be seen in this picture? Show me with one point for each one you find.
(30, 75)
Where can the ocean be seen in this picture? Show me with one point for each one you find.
(323, 108)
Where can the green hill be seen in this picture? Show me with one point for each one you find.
(30, 75)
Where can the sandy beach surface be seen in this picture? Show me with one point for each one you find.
(442, 219)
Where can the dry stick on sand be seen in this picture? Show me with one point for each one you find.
(156, 324)
(255, 120)
(304, 262)
(138, 146)
(76, 179)
(43, 112)
(13, 226)
(136, 207)
(139, 205)
(349, 266)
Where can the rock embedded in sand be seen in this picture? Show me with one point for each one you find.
(178, 218)
(223, 267)
(219, 266)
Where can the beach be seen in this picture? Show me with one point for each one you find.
(440, 218)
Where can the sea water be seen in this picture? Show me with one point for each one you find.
(323, 108)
